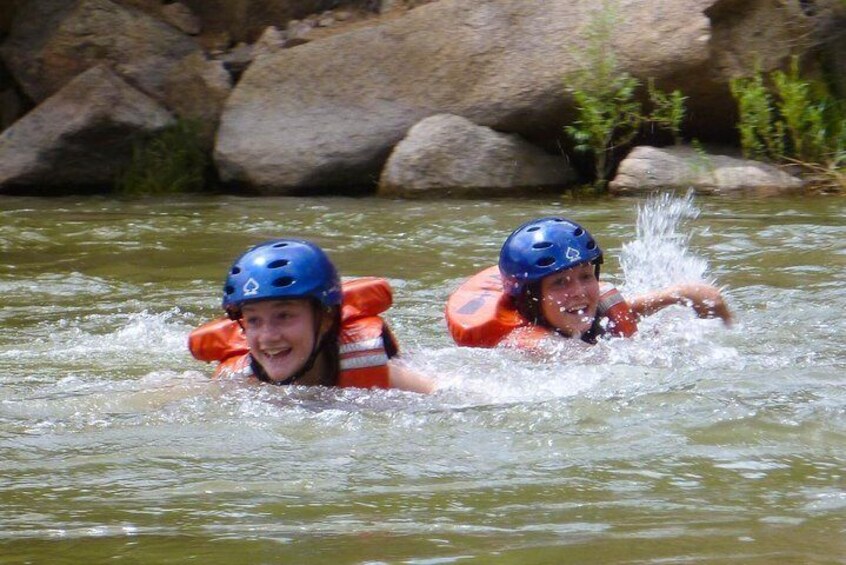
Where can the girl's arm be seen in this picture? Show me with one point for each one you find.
(705, 299)
(403, 378)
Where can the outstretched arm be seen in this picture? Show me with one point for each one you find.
(403, 378)
(705, 299)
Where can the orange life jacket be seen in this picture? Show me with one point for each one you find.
(365, 341)
(480, 314)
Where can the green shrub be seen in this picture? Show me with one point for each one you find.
(787, 119)
(668, 110)
(606, 119)
(171, 161)
(760, 135)
(608, 113)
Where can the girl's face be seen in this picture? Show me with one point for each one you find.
(569, 299)
(280, 334)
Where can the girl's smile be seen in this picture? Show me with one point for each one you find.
(281, 335)
(570, 298)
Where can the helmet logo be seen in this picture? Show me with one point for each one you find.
(251, 287)
(573, 254)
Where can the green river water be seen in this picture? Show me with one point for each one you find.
(690, 443)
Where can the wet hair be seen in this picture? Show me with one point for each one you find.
(329, 349)
(528, 305)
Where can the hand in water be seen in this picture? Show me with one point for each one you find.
(705, 299)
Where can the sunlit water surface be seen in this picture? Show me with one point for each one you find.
(691, 443)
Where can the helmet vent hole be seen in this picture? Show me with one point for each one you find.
(228, 290)
(545, 261)
(591, 245)
(236, 270)
(542, 245)
(280, 244)
(277, 264)
(533, 228)
(579, 232)
(283, 282)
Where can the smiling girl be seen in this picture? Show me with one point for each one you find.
(547, 283)
(290, 321)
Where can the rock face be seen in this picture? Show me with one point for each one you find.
(323, 111)
(80, 136)
(244, 20)
(197, 88)
(647, 169)
(327, 113)
(450, 155)
(52, 41)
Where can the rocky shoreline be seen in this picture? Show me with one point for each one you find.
(415, 99)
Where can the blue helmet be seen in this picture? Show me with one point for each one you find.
(280, 269)
(542, 247)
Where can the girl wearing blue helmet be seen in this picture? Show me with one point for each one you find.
(547, 282)
(291, 321)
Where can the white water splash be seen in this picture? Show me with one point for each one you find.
(659, 256)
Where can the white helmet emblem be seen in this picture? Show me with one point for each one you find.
(251, 287)
(573, 254)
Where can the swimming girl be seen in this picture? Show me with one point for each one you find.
(291, 322)
(547, 283)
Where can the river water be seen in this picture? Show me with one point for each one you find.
(691, 443)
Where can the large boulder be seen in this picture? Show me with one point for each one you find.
(327, 113)
(648, 169)
(81, 136)
(53, 41)
(450, 155)
(197, 88)
(245, 20)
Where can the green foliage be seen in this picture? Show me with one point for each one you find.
(172, 161)
(609, 114)
(668, 110)
(607, 119)
(702, 162)
(760, 134)
(788, 119)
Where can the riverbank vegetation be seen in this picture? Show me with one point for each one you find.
(173, 161)
(790, 120)
(609, 113)
(784, 118)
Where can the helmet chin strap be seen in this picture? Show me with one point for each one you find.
(318, 344)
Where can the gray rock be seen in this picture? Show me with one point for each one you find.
(245, 20)
(647, 169)
(80, 136)
(52, 41)
(271, 41)
(238, 59)
(196, 88)
(181, 17)
(327, 113)
(450, 155)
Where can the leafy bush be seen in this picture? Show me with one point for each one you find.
(609, 114)
(668, 110)
(171, 161)
(787, 119)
